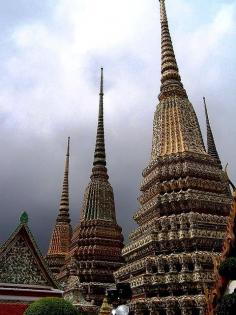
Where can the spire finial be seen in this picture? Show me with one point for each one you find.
(211, 147)
(63, 215)
(170, 78)
(163, 11)
(99, 162)
(101, 83)
(68, 147)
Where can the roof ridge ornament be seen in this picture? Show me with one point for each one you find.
(24, 218)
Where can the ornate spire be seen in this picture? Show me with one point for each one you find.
(98, 199)
(61, 236)
(183, 192)
(175, 127)
(63, 215)
(170, 78)
(99, 163)
(97, 241)
(211, 147)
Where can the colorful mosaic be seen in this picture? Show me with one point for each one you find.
(18, 265)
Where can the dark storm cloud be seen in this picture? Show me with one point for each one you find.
(49, 91)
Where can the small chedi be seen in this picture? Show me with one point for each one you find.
(184, 204)
(62, 233)
(85, 260)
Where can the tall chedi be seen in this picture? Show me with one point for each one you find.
(184, 205)
(61, 236)
(97, 241)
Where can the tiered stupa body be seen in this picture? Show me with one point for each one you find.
(184, 205)
(61, 236)
(97, 241)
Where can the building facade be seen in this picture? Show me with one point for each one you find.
(184, 204)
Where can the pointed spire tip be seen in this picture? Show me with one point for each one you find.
(211, 147)
(170, 77)
(68, 146)
(99, 154)
(101, 84)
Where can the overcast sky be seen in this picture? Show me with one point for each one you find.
(51, 52)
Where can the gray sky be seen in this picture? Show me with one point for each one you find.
(51, 52)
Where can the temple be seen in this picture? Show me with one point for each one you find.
(61, 236)
(184, 205)
(95, 251)
(186, 224)
(24, 275)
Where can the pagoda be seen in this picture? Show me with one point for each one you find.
(184, 205)
(62, 232)
(97, 241)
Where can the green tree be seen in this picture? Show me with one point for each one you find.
(227, 305)
(51, 306)
(228, 268)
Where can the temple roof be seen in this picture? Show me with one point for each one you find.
(21, 262)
